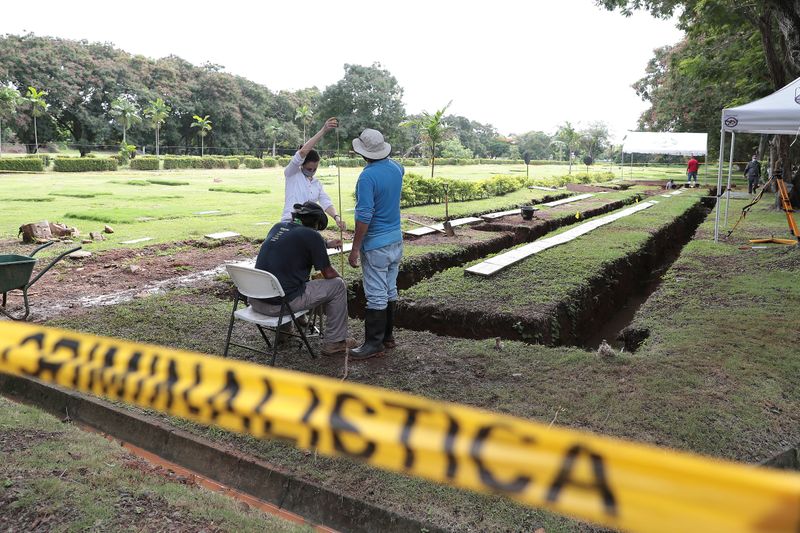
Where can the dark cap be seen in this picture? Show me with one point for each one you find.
(311, 212)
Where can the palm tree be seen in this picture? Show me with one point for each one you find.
(38, 108)
(304, 114)
(272, 130)
(570, 137)
(157, 113)
(203, 126)
(433, 129)
(126, 114)
(9, 100)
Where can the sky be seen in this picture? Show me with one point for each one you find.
(519, 66)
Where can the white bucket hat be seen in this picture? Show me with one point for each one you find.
(371, 145)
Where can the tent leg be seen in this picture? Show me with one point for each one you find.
(719, 182)
(730, 173)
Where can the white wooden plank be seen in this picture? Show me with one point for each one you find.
(539, 188)
(666, 195)
(208, 212)
(346, 248)
(222, 235)
(134, 241)
(569, 200)
(500, 214)
(418, 232)
(499, 262)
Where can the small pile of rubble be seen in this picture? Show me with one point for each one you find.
(44, 231)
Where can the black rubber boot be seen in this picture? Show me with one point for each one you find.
(388, 336)
(374, 330)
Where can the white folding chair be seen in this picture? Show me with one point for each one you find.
(254, 283)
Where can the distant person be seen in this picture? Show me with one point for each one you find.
(378, 240)
(753, 174)
(289, 252)
(691, 171)
(301, 185)
(670, 184)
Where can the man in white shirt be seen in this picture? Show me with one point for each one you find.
(301, 185)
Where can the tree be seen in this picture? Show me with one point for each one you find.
(568, 135)
(453, 148)
(432, 128)
(777, 22)
(156, 113)
(9, 100)
(272, 129)
(203, 126)
(594, 138)
(366, 97)
(303, 114)
(38, 108)
(125, 112)
(535, 143)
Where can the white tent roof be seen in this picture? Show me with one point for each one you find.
(777, 113)
(647, 142)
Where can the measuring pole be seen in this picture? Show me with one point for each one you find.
(339, 179)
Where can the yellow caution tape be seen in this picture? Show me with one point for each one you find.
(603, 480)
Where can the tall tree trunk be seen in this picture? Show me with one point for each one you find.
(157, 140)
(35, 137)
(787, 14)
(124, 135)
(1, 138)
(202, 147)
(273, 147)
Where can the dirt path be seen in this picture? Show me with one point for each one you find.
(120, 275)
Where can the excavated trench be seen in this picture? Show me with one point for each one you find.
(578, 318)
(415, 269)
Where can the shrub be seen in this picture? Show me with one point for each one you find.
(232, 162)
(84, 164)
(270, 162)
(421, 191)
(283, 160)
(22, 164)
(171, 163)
(144, 163)
(253, 162)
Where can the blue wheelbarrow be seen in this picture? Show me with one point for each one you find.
(15, 274)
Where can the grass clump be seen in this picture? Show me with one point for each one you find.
(239, 190)
(169, 183)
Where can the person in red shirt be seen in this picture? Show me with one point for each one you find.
(691, 172)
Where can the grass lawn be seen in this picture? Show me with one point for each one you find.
(177, 205)
(56, 477)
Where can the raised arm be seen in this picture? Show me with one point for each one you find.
(330, 124)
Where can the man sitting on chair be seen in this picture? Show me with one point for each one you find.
(288, 253)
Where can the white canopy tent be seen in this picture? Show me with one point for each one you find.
(665, 143)
(776, 114)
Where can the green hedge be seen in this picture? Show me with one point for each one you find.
(22, 164)
(270, 162)
(422, 191)
(253, 162)
(144, 163)
(577, 177)
(84, 164)
(283, 160)
(177, 162)
(233, 162)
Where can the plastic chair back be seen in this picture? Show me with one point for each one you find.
(254, 283)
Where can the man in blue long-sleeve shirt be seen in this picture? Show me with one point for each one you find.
(378, 240)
